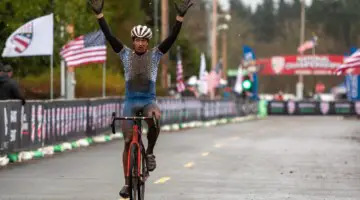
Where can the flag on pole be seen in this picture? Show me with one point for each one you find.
(214, 77)
(238, 86)
(308, 44)
(203, 75)
(350, 62)
(179, 73)
(85, 49)
(35, 38)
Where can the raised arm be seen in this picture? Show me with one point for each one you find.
(169, 41)
(165, 45)
(114, 42)
(97, 6)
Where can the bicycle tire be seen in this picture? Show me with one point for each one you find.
(141, 183)
(133, 179)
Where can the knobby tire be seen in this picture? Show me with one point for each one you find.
(133, 173)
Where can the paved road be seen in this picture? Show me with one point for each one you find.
(305, 158)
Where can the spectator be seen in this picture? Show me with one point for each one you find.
(9, 89)
(190, 90)
(279, 96)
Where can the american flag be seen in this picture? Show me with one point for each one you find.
(85, 49)
(179, 73)
(308, 45)
(349, 63)
(215, 76)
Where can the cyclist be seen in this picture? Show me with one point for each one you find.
(140, 66)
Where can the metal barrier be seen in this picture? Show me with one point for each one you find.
(46, 123)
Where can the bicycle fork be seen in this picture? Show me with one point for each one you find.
(134, 141)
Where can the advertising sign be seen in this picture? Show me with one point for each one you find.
(301, 64)
(339, 108)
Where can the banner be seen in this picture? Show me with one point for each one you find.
(301, 64)
(34, 38)
(340, 108)
(47, 123)
(3, 128)
(352, 87)
(202, 85)
(238, 87)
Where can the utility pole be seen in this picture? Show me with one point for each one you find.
(224, 54)
(70, 74)
(156, 18)
(214, 35)
(300, 84)
(213, 43)
(164, 34)
(208, 28)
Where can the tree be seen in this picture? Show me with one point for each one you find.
(264, 21)
(339, 20)
(239, 9)
(76, 12)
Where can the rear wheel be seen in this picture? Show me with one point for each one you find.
(133, 177)
(141, 185)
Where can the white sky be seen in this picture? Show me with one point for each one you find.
(225, 5)
(253, 3)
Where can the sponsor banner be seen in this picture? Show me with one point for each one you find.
(14, 124)
(4, 142)
(307, 108)
(301, 64)
(10, 126)
(277, 108)
(44, 123)
(313, 108)
(344, 108)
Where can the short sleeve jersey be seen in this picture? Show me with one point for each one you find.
(140, 72)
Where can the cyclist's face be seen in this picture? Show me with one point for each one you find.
(140, 45)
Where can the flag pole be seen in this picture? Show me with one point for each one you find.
(51, 77)
(104, 81)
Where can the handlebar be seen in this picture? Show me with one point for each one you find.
(114, 118)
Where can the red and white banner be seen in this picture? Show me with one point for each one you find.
(301, 64)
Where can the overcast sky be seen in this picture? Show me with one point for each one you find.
(253, 3)
(225, 3)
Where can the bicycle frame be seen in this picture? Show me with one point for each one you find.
(140, 179)
(136, 137)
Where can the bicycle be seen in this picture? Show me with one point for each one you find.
(136, 156)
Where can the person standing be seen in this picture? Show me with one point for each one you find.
(9, 88)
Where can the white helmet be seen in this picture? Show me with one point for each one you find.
(140, 31)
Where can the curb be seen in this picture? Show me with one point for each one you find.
(85, 142)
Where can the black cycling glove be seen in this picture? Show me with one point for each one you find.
(183, 8)
(96, 5)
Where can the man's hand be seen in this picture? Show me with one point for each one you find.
(183, 8)
(96, 5)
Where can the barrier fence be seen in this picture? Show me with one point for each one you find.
(44, 123)
(341, 108)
